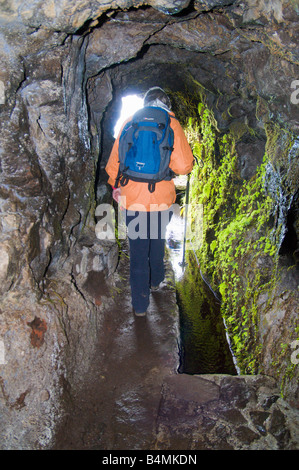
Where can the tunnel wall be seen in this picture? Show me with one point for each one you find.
(63, 70)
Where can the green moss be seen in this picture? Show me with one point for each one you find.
(239, 253)
(244, 225)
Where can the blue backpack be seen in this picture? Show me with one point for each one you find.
(145, 146)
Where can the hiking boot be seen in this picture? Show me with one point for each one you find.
(139, 314)
(154, 288)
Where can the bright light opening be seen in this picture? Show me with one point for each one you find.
(130, 104)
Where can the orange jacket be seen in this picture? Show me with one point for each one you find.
(135, 195)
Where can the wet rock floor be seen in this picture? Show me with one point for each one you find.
(134, 399)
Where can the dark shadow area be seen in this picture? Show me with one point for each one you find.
(289, 247)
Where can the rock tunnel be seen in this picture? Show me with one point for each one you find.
(65, 68)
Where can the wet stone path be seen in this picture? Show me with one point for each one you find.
(134, 398)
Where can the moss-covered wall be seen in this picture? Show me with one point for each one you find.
(244, 225)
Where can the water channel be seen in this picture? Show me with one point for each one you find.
(204, 345)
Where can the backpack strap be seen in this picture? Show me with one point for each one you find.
(168, 148)
(124, 180)
(117, 179)
(121, 179)
(151, 187)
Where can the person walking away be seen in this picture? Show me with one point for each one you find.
(147, 203)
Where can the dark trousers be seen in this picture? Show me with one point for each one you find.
(146, 233)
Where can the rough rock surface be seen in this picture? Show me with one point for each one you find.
(63, 71)
(70, 16)
(132, 397)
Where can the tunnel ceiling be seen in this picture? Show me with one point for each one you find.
(237, 50)
(233, 53)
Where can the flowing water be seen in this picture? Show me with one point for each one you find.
(204, 345)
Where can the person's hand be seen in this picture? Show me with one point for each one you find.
(116, 194)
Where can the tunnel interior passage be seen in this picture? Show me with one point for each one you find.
(64, 71)
(194, 56)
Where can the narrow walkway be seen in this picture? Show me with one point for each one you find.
(134, 398)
